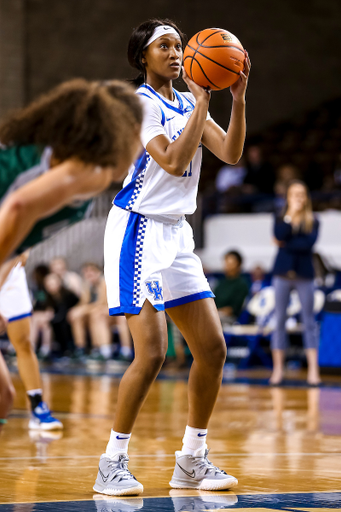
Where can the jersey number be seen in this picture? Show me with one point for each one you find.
(188, 174)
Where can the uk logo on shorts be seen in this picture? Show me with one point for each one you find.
(154, 288)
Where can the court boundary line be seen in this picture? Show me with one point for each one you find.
(169, 497)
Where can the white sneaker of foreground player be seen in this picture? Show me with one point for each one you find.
(197, 472)
(114, 478)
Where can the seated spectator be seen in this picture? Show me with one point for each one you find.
(41, 316)
(258, 280)
(230, 176)
(71, 280)
(232, 290)
(260, 177)
(59, 301)
(228, 186)
(92, 314)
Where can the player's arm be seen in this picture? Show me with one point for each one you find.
(228, 146)
(44, 196)
(175, 156)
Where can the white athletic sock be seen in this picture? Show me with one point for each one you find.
(33, 392)
(118, 443)
(194, 441)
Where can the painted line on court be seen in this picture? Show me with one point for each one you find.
(185, 495)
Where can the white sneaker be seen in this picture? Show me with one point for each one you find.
(199, 473)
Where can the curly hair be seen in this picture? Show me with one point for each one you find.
(94, 121)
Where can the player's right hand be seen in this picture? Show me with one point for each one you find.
(199, 93)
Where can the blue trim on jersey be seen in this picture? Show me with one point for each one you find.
(179, 99)
(126, 197)
(171, 107)
(188, 298)
(140, 164)
(163, 117)
(15, 318)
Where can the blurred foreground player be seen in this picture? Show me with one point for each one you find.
(56, 154)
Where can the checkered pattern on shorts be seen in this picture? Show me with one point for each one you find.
(138, 260)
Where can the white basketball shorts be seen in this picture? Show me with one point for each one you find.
(15, 302)
(146, 259)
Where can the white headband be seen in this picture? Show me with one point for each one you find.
(160, 31)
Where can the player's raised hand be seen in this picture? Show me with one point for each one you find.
(198, 92)
(238, 89)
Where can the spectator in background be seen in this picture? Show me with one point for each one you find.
(295, 233)
(92, 314)
(259, 178)
(228, 186)
(230, 176)
(232, 290)
(41, 316)
(284, 176)
(59, 301)
(258, 279)
(71, 280)
(88, 314)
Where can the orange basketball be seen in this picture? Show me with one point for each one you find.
(213, 58)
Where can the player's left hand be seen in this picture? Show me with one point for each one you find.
(238, 89)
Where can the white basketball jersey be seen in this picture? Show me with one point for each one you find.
(149, 189)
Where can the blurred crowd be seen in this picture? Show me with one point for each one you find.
(70, 315)
(255, 185)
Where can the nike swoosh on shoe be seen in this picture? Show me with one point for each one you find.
(191, 475)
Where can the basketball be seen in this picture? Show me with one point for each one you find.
(213, 58)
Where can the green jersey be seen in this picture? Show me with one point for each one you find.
(22, 164)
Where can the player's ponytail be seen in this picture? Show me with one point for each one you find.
(138, 41)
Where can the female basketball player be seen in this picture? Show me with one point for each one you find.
(57, 153)
(149, 255)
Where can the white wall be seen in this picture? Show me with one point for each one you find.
(251, 234)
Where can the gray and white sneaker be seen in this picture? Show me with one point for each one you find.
(114, 478)
(193, 472)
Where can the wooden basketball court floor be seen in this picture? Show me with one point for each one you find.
(283, 445)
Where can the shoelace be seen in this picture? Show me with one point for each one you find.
(204, 463)
(120, 468)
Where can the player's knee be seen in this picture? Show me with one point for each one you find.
(22, 344)
(217, 352)
(153, 359)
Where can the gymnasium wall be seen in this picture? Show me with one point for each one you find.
(295, 47)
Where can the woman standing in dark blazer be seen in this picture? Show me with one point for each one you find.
(295, 233)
